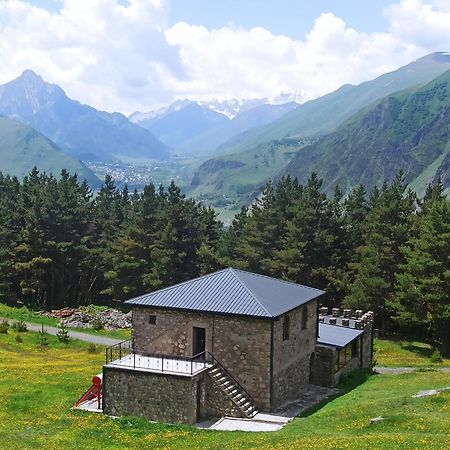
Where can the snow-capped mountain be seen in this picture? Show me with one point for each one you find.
(290, 96)
(228, 107)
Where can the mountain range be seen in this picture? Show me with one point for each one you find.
(297, 142)
(79, 130)
(197, 127)
(357, 134)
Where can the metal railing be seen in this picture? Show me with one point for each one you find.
(123, 355)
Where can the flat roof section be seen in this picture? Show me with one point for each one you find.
(337, 336)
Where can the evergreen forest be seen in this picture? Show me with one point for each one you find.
(384, 250)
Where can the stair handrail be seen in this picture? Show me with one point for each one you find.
(252, 401)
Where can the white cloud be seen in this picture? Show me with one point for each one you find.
(121, 55)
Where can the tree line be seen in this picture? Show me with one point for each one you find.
(383, 250)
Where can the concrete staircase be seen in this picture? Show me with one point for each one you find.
(234, 391)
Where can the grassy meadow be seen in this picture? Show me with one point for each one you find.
(403, 353)
(38, 388)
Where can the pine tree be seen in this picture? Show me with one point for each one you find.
(386, 230)
(422, 295)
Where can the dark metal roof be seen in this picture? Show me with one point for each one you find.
(336, 336)
(231, 291)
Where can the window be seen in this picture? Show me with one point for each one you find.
(348, 353)
(286, 326)
(152, 319)
(304, 318)
(355, 348)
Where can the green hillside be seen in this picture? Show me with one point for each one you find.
(262, 153)
(22, 148)
(408, 130)
(326, 113)
(232, 180)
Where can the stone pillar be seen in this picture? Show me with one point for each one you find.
(335, 312)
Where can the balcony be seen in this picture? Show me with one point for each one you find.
(123, 356)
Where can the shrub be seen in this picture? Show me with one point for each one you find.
(42, 343)
(62, 334)
(97, 324)
(436, 356)
(19, 338)
(4, 326)
(20, 326)
(92, 348)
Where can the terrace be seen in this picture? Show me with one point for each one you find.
(123, 355)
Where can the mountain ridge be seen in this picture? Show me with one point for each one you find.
(79, 130)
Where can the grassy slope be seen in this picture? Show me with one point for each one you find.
(241, 184)
(26, 315)
(35, 412)
(22, 148)
(325, 113)
(407, 130)
(402, 353)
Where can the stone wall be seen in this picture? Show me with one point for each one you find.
(322, 366)
(240, 344)
(367, 345)
(155, 396)
(291, 357)
(172, 334)
(216, 403)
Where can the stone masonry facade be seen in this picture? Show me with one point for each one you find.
(291, 357)
(159, 397)
(240, 344)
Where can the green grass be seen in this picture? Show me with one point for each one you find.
(27, 315)
(37, 390)
(403, 353)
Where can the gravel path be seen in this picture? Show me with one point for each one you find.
(401, 370)
(98, 340)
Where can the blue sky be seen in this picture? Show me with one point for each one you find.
(143, 54)
(291, 17)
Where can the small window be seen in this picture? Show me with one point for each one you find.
(152, 319)
(304, 318)
(286, 326)
(348, 353)
(355, 348)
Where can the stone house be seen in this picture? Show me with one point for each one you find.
(228, 343)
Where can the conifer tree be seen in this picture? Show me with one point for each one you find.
(422, 295)
(386, 230)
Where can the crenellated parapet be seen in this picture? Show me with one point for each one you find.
(346, 317)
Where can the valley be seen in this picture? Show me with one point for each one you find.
(222, 152)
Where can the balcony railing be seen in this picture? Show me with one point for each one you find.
(123, 355)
